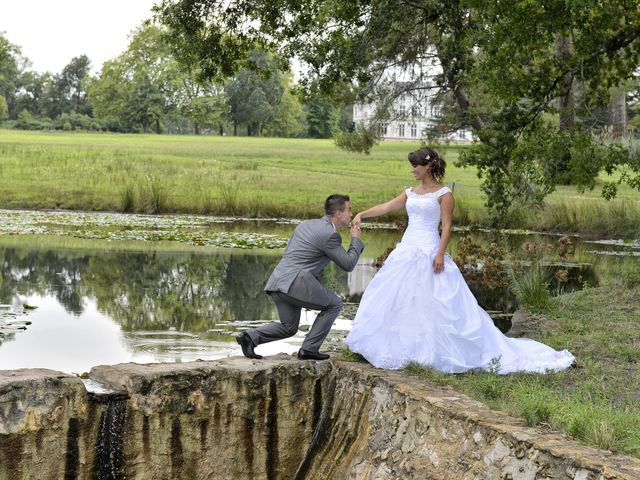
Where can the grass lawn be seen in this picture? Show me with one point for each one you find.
(258, 177)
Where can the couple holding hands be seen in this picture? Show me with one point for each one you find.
(417, 308)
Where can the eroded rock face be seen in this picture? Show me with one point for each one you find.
(42, 415)
(233, 419)
(277, 418)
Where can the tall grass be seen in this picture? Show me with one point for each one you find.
(259, 177)
(605, 219)
(229, 195)
(127, 197)
(154, 194)
(530, 284)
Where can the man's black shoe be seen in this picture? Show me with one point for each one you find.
(247, 345)
(307, 355)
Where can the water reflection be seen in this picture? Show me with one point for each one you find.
(140, 291)
(109, 307)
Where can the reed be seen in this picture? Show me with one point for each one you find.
(530, 284)
(591, 218)
(153, 194)
(127, 198)
(229, 196)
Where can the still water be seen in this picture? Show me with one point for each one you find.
(79, 304)
(96, 307)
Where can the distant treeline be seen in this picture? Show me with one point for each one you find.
(146, 89)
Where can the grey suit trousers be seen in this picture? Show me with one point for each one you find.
(306, 292)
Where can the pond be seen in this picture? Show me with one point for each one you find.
(78, 290)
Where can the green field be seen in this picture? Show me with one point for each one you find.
(257, 177)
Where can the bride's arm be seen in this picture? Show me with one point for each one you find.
(447, 203)
(382, 208)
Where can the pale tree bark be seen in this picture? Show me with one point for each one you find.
(566, 106)
(618, 114)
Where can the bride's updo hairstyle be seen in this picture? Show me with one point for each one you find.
(429, 157)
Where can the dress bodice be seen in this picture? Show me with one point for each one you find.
(424, 217)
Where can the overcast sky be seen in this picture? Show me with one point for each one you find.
(52, 32)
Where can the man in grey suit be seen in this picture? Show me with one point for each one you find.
(295, 283)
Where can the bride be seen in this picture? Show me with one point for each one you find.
(418, 307)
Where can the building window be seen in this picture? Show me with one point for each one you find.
(403, 110)
(385, 129)
(414, 130)
(401, 130)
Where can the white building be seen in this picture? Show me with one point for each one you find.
(411, 115)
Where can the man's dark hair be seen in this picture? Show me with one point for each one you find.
(334, 203)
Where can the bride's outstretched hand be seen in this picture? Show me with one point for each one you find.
(438, 263)
(356, 221)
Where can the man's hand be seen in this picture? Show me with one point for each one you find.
(355, 229)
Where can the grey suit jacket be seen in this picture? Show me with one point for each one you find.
(312, 246)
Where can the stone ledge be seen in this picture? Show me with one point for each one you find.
(321, 420)
(588, 460)
(31, 399)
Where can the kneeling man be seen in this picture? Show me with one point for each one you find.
(295, 283)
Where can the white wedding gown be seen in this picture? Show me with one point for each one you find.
(409, 313)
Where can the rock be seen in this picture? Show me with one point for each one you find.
(518, 324)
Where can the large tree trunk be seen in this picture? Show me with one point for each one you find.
(564, 51)
(451, 74)
(618, 114)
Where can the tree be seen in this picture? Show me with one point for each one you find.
(109, 93)
(289, 119)
(254, 94)
(207, 111)
(633, 99)
(497, 59)
(4, 109)
(146, 89)
(138, 89)
(10, 60)
(322, 117)
(66, 92)
(32, 92)
(71, 84)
